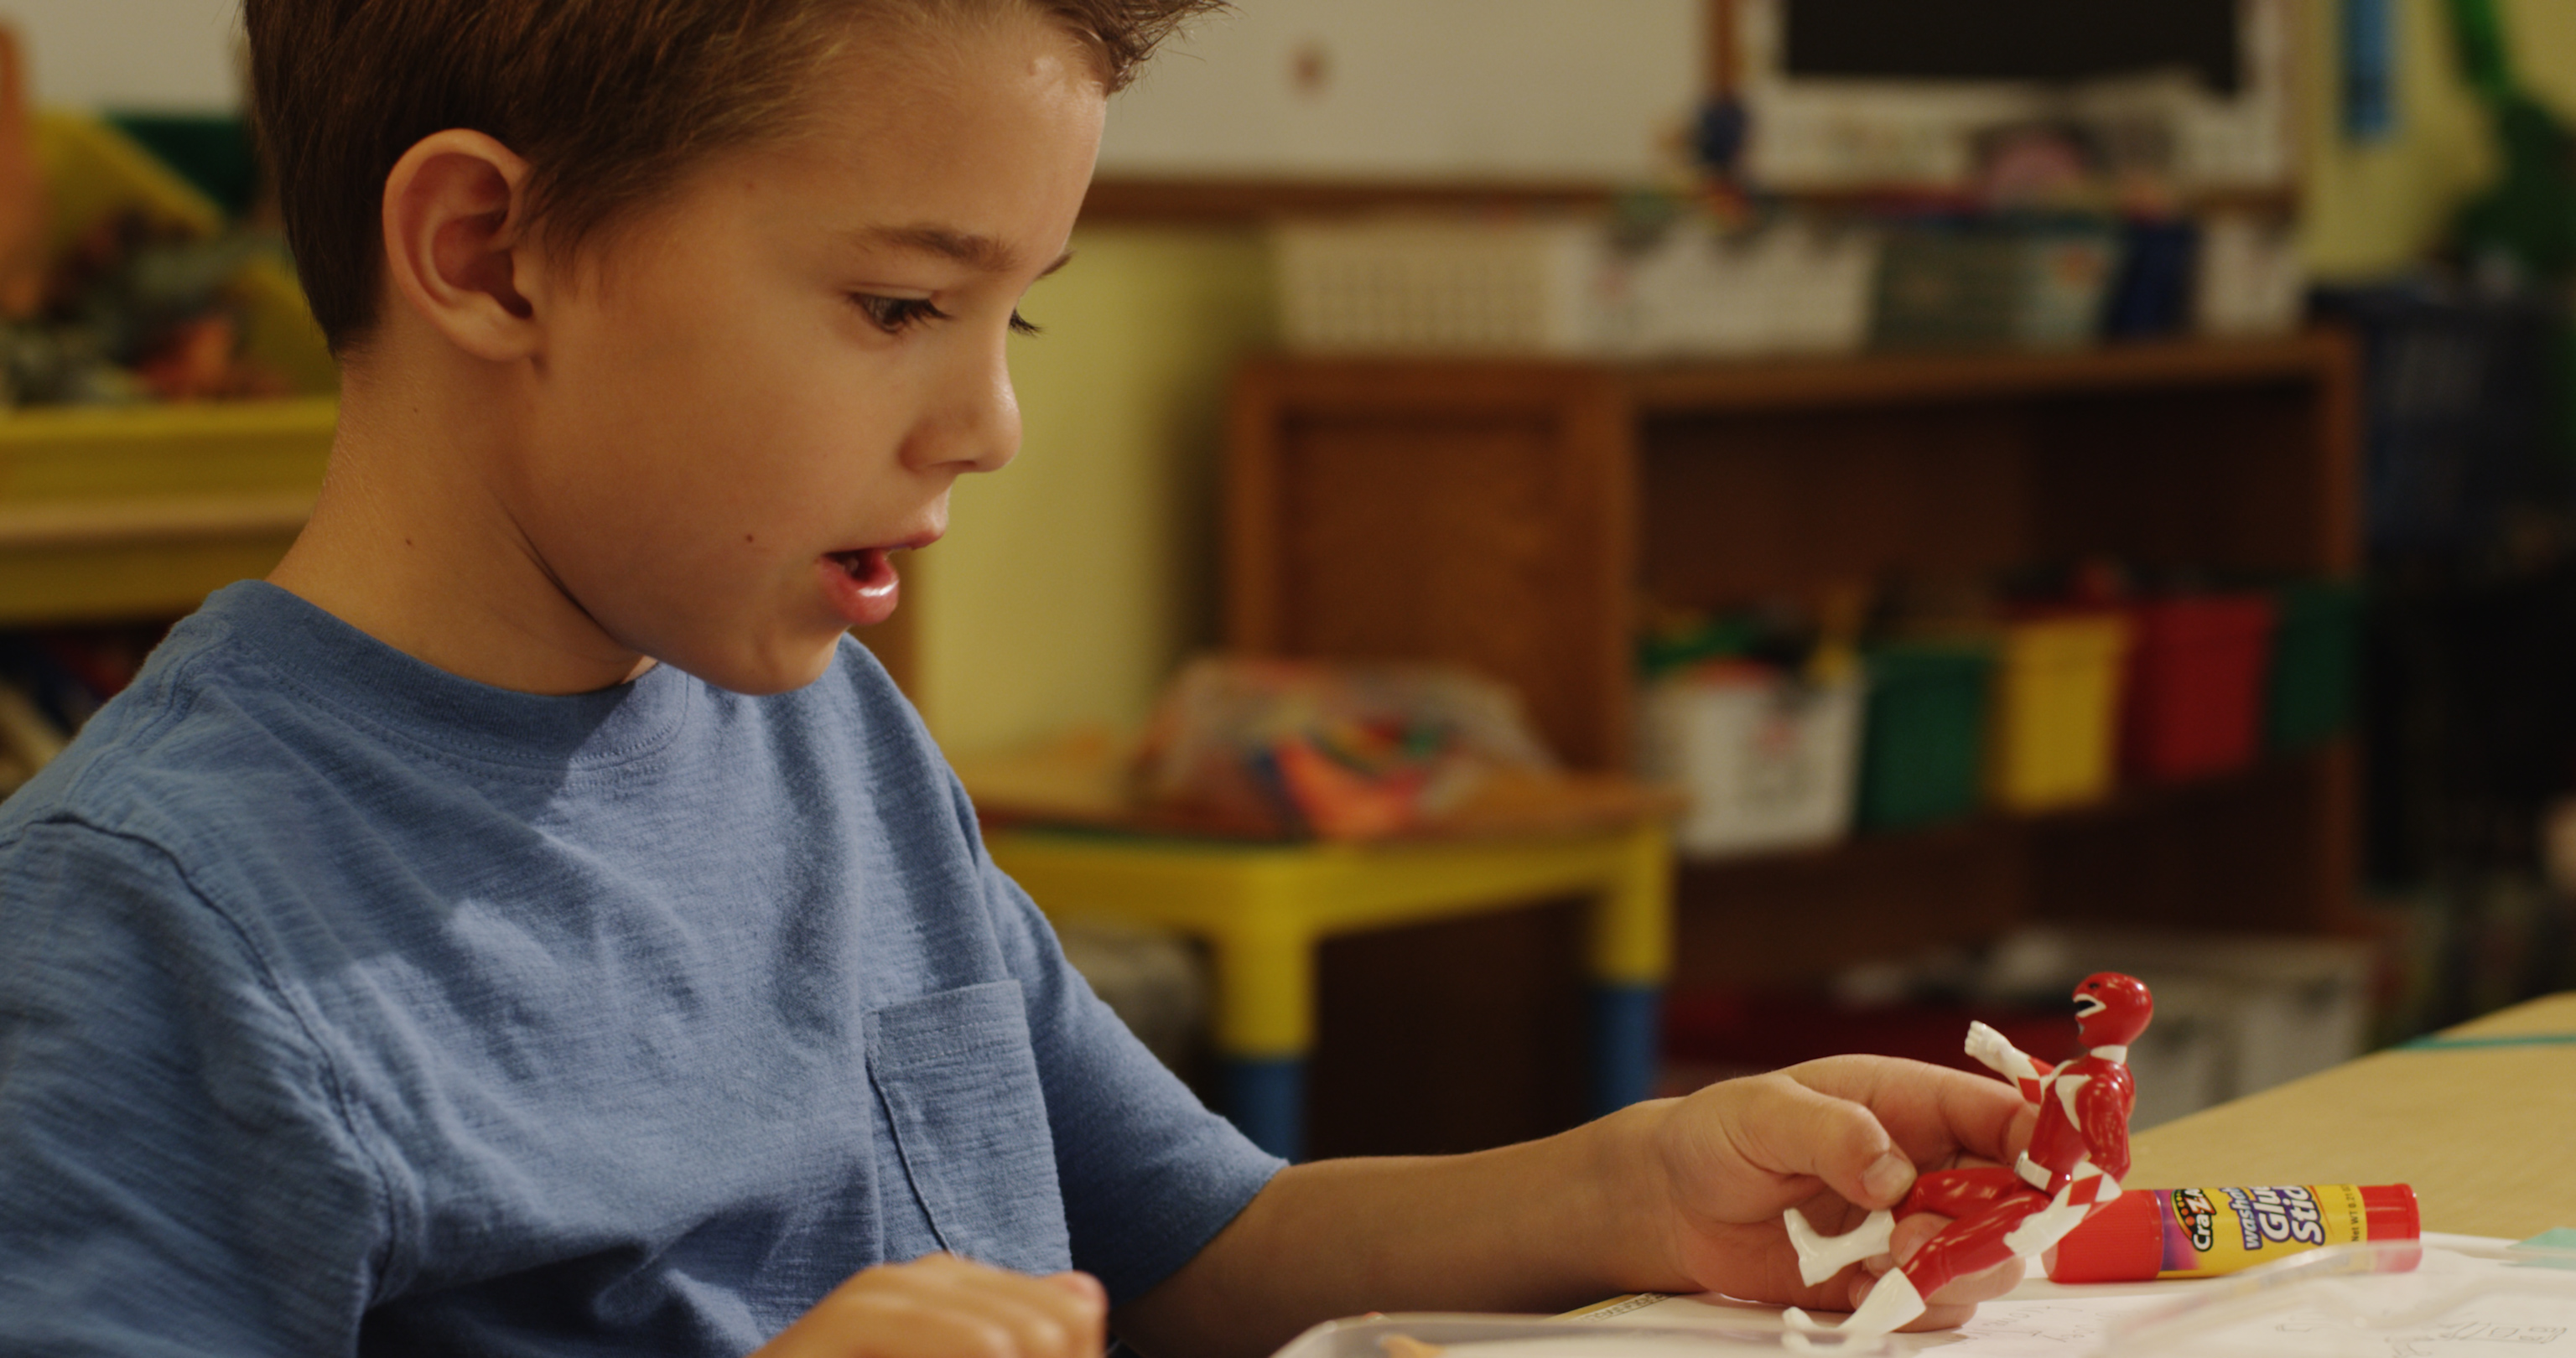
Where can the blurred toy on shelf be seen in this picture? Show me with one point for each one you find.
(1272, 749)
(139, 311)
(120, 306)
(1285, 748)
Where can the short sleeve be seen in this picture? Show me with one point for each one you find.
(1149, 1174)
(176, 1177)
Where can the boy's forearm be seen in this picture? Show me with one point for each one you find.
(1542, 1226)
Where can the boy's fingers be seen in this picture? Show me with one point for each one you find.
(940, 1306)
(1911, 1233)
(1059, 1316)
(1794, 1129)
(1932, 1112)
(1981, 1287)
(938, 1332)
(1081, 1285)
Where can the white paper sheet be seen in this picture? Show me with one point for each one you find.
(2041, 1319)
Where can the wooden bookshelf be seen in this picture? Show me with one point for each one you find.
(1510, 514)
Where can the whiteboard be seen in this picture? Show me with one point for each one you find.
(1437, 90)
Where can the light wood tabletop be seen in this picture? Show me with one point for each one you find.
(2481, 1119)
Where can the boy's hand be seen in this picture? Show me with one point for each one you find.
(941, 1306)
(1834, 1138)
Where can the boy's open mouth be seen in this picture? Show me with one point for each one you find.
(862, 584)
(861, 564)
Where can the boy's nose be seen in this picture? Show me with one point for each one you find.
(976, 428)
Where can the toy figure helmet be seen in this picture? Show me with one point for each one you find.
(2112, 1009)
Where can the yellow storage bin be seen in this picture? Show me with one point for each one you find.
(123, 512)
(2055, 730)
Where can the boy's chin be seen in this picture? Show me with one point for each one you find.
(758, 671)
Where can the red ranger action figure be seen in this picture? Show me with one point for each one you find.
(2078, 1154)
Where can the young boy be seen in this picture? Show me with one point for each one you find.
(526, 924)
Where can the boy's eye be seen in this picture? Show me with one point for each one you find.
(894, 315)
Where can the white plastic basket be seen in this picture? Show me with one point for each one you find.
(1789, 287)
(1419, 286)
(1415, 285)
(1768, 761)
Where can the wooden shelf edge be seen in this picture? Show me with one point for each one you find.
(1881, 378)
(1720, 385)
(87, 523)
(2330, 759)
(84, 424)
(1203, 200)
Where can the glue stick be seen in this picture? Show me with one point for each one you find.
(2197, 1232)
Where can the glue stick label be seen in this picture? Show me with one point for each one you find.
(2221, 1230)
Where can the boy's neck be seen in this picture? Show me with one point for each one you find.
(413, 542)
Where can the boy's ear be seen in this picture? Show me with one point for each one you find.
(456, 247)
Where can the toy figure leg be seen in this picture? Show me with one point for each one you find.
(1961, 1248)
(1822, 1256)
(1974, 1245)
(1956, 1193)
(1961, 1193)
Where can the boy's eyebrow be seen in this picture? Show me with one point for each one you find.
(981, 253)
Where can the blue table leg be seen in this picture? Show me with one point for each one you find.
(1626, 1043)
(1266, 1098)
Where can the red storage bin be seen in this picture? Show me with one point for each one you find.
(2196, 685)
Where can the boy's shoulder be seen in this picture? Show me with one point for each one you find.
(141, 750)
(261, 720)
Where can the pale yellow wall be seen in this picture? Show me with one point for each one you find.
(2375, 207)
(1071, 581)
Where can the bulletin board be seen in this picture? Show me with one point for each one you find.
(1307, 99)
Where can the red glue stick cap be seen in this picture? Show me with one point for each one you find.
(2391, 1212)
(2123, 1242)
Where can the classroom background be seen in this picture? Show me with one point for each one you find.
(1567, 551)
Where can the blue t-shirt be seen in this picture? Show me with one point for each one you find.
(350, 1006)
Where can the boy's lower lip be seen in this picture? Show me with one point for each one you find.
(862, 585)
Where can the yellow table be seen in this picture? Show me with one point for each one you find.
(2481, 1119)
(1262, 909)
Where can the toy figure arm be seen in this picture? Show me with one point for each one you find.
(1998, 1054)
(2102, 1116)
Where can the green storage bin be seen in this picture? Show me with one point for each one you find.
(2315, 658)
(1923, 741)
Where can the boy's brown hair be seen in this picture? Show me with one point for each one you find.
(609, 101)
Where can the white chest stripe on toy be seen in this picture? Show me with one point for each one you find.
(2067, 1087)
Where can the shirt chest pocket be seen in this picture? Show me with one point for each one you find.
(960, 1085)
